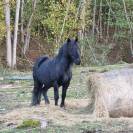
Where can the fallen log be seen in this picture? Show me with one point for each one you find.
(111, 93)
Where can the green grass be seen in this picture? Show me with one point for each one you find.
(20, 96)
(87, 126)
(29, 123)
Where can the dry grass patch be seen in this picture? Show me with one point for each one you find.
(69, 116)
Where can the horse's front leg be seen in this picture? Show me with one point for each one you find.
(64, 90)
(56, 93)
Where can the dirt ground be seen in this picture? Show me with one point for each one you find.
(15, 98)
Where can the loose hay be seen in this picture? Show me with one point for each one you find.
(50, 113)
(111, 93)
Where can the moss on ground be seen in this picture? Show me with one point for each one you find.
(29, 123)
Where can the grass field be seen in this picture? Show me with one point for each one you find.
(15, 98)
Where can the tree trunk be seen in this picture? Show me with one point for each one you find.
(27, 38)
(94, 19)
(82, 18)
(130, 27)
(15, 33)
(64, 21)
(100, 20)
(22, 21)
(108, 25)
(8, 32)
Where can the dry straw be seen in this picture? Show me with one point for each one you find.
(111, 93)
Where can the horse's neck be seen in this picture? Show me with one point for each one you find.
(64, 63)
(63, 60)
(67, 63)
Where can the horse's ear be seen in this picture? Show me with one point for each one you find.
(76, 39)
(68, 40)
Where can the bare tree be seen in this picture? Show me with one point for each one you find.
(22, 21)
(94, 19)
(130, 27)
(82, 17)
(64, 21)
(100, 20)
(15, 33)
(27, 38)
(8, 32)
(108, 24)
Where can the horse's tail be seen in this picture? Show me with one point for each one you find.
(38, 63)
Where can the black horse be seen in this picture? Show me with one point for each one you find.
(55, 72)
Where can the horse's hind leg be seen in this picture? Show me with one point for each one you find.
(36, 94)
(44, 91)
(56, 93)
(64, 90)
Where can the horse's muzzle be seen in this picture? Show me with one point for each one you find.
(77, 61)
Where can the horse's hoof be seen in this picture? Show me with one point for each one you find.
(62, 105)
(56, 103)
(47, 102)
(34, 104)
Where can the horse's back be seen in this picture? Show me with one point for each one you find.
(40, 60)
(46, 73)
(38, 63)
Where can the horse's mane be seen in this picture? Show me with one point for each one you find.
(62, 50)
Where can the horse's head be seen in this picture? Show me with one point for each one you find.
(73, 50)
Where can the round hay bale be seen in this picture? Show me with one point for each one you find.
(111, 93)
